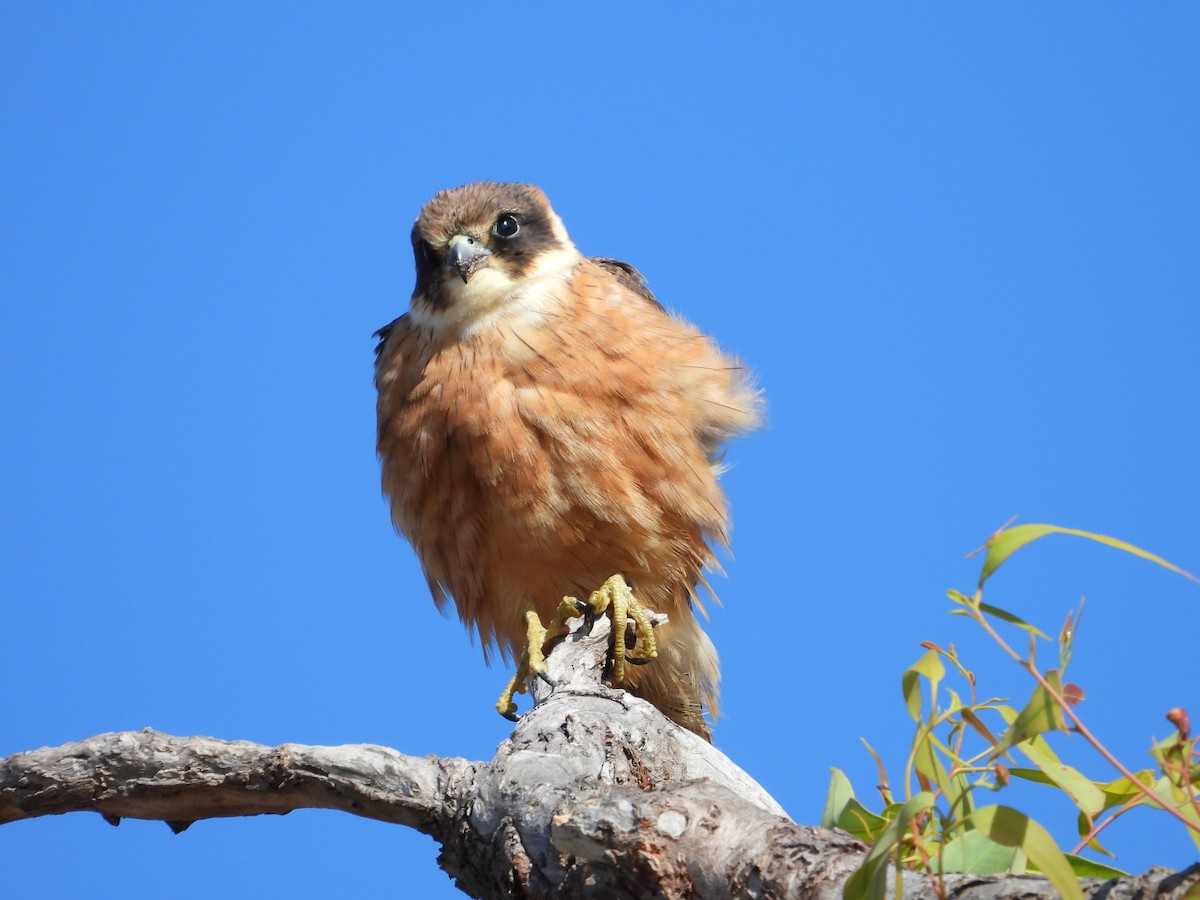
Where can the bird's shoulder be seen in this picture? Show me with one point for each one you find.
(627, 276)
(384, 333)
(400, 353)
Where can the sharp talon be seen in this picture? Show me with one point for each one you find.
(613, 599)
(512, 717)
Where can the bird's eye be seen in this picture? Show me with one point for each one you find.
(506, 226)
(428, 256)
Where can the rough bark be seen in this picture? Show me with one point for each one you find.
(594, 794)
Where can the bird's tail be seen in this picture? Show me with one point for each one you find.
(683, 681)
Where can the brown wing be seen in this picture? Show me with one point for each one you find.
(382, 334)
(628, 276)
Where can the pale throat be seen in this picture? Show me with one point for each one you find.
(492, 298)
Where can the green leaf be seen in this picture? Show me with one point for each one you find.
(1088, 868)
(1009, 617)
(925, 758)
(960, 597)
(1041, 714)
(1084, 825)
(1006, 826)
(870, 879)
(841, 792)
(955, 704)
(1189, 813)
(1037, 776)
(1170, 795)
(861, 822)
(1005, 543)
(843, 811)
(931, 667)
(975, 852)
(1121, 790)
(1087, 796)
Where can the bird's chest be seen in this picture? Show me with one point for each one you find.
(543, 442)
(471, 435)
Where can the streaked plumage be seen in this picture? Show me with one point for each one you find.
(544, 423)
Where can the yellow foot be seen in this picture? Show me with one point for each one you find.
(533, 659)
(615, 597)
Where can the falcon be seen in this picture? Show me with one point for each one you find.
(548, 431)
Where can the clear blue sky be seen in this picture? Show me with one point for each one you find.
(958, 243)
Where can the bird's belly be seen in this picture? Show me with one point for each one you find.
(515, 495)
(515, 532)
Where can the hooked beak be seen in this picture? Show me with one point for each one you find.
(466, 255)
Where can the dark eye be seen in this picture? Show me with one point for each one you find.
(506, 226)
(427, 254)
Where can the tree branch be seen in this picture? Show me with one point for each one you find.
(149, 775)
(595, 793)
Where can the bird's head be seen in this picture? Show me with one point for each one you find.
(478, 246)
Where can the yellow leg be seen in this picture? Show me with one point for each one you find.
(615, 597)
(532, 662)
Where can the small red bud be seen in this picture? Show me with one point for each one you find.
(1179, 718)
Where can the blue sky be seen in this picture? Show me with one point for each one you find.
(957, 243)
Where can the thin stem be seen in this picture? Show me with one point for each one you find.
(1076, 721)
(915, 826)
(1096, 829)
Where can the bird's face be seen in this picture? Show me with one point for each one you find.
(482, 246)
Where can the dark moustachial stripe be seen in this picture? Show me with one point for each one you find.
(473, 210)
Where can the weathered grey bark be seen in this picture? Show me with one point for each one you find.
(594, 794)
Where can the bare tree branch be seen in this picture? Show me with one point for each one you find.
(595, 793)
(149, 775)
